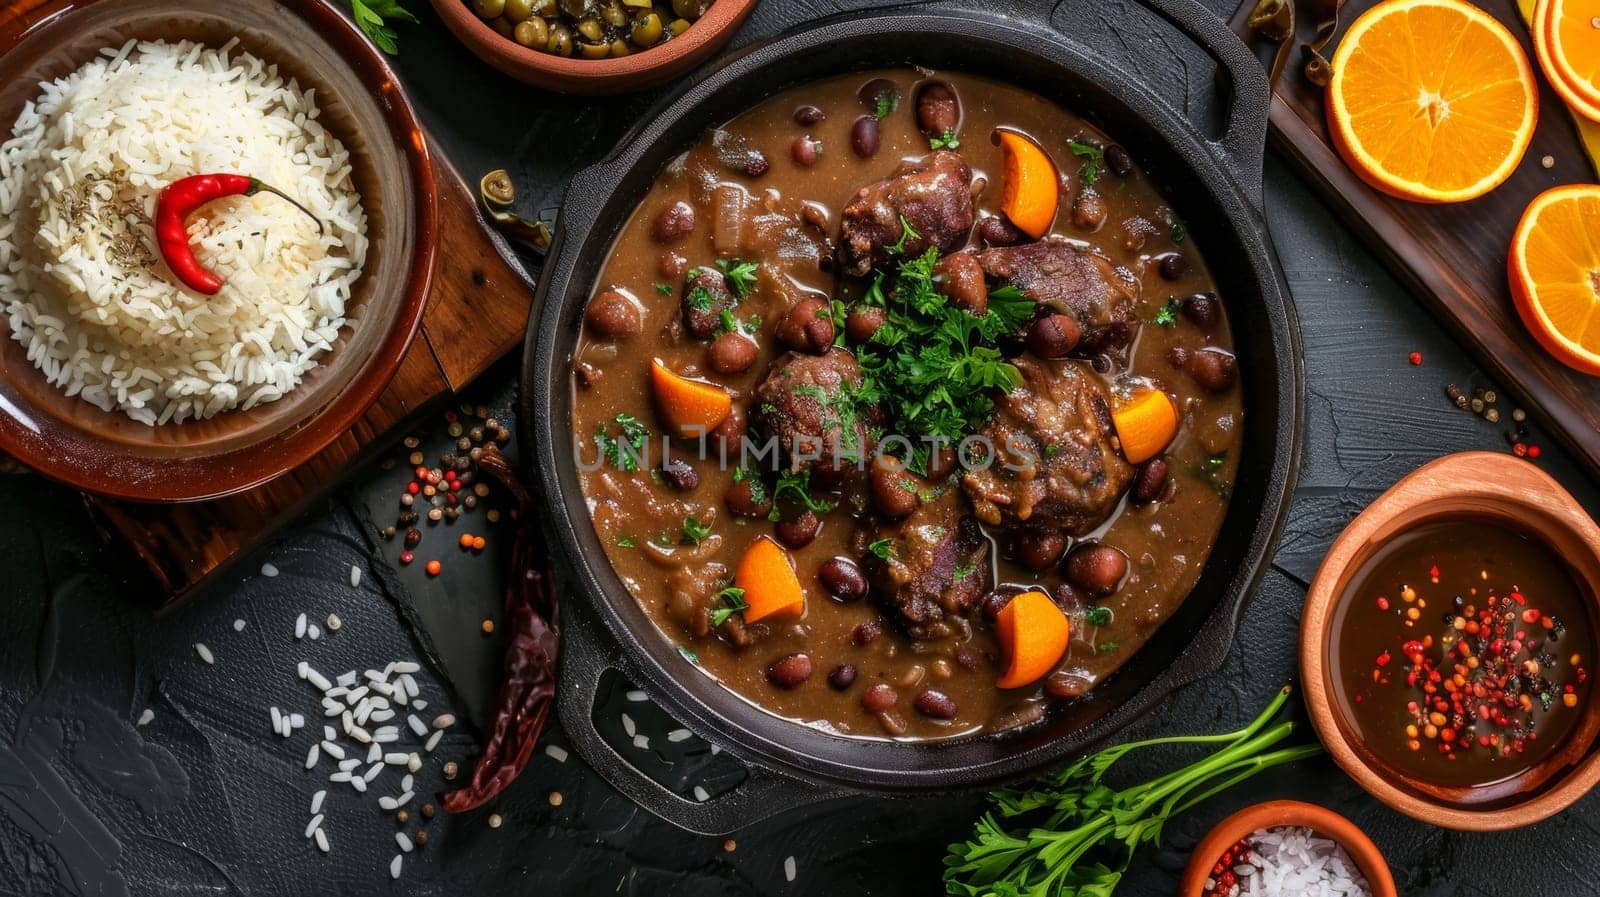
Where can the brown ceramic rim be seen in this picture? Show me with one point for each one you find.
(1489, 485)
(1279, 813)
(65, 454)
(597, 76)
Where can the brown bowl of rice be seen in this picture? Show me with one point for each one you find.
(114, 377)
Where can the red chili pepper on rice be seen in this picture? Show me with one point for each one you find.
(181, 198)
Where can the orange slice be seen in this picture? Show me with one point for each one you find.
(1033, 635)
(1431, 100)
(1566, 39)
(1555, 273)
(1032, 189)
(770, 585)
(692, 408)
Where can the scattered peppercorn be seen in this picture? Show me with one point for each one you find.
(1534, 451)
(434, 568)
(402, 817)
(427, 809)
(407, 557)
(488, 627)
(451, 767)
(730, 845)
(555, 798)
(1416, 358)
(495, 821)
(421, 838)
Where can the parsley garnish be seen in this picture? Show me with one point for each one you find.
(947, 140)
(732, 601)
(933, 367)
(1097, 616)
(741, 275)
(664, 289)
(1109, 646)
(1168, 315)
(1093, 159)
(625, 542)
(1179, 231)
(798, 486)
(700, 299)
(887, 102)
(964, 571)
(623, 451)
(758, 489)
(695, 530)
(370, 18)
(1051, 450)
(727, 323)
(907, 232)
(882, 548)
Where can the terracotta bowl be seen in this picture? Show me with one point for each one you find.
(106, 452)
(1485, 485)
(661, 63)
(1277, 813)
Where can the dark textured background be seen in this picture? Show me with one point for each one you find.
(205, 799)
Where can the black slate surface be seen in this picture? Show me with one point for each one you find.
(205, 799)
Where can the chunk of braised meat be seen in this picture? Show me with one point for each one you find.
(930, 568)
(932, 194)
(1057, 425)
(1070, 279)
(706, 295)
(807, 404)
(960, 277)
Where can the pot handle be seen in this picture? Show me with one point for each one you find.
(762, 794)
(1248, 96)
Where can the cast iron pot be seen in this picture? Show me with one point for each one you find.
(1213, 183)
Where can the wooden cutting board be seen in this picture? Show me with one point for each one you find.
(476, 313)
(1453, 257)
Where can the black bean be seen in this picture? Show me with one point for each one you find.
(413, 538)
(680, 474)
(789, 671)
(1096, 568)
(863, 322)
(725, 437)
(804, 151)
(993, 602)
(997, 230)
(741, 500)
(842, 579)
(1214, 369)
(809, 115)
(1053, 336)
(1173, 266)
(1089, 210)
(842, 677)
(674, 222)
(865, 633)
(880, 697)
(1065, 686)
(936, 704)
(612, 315)
(964, 658)
(938, 109)
(893, 723)
(798, 532)
(1201, 308)
(731, 353)
(807, 327)
(1118, 160)
(1150, 482)
(878, 87)
(894, 491)
(1041, 550)
(756, 164)
(1178, 357)
(864, 136)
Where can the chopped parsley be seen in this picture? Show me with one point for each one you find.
(700, 299)
(947, 140)
(626, 542)
(964, 571)
(663, 288)
(695, 530)
(907, 232)
(727, 323)
(1051, 450)
(932, 366)
(887, 102)
(1093, 160)
(1168, 315)
(1179, 231)
(798, 487)
(741, 275)
(1110, 646)
(758, 489)
(732, 601)
(624, 450)
(1097, 615)
(882, 548)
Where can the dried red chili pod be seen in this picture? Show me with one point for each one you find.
(180, 198)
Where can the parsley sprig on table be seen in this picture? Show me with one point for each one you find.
(933, 366)
(373, 18)
(1072, 835)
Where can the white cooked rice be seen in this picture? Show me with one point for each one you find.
(100, 314)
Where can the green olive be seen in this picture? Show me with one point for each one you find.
(594, 51)
(619, 47)
(591, 30)
(502, 26)
(614, 14)
(678, 26)
(546, 8)
(532, 32)
(576, 8)
(518, 10)
(488, 9)
(560, 42)
(688, 9)
(646, 30)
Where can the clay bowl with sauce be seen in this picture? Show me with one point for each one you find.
(613, 75)
(1287, 814)
(1503, 514)
(68, 439)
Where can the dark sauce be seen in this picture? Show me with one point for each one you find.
(1461, 653)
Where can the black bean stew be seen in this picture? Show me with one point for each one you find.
(906, 405)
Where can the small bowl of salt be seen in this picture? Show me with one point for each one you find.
(1286, 848)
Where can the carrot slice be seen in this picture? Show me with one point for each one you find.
(1033, 635)
(691, 407)
(1032, 188)
(1145, 424)
(770, 585)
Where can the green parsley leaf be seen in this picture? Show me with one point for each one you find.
(664, 289)
(1093, 160)
(798, 487)
(741, 275)
(887, 102)
(906, 233)
(1109, 646)
(963, 571)
(1168, 315)
(626, 542)
(373, 16)
(700, 299)
(1179, 231)
(732, 601)
(947, 140)
(1096, 615)
(882, 548)
(695, 530)
(624, 450)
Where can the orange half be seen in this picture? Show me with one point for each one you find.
(1033, 634)
(1555, 273)
(1566, 38)
(1431, 100)
(1032, 189)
